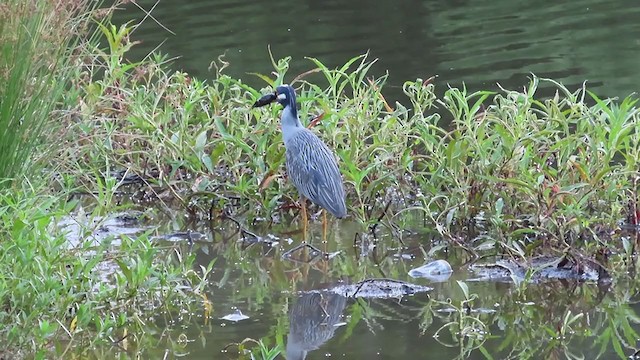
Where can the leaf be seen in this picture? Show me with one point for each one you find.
(617, 347)
(221, 128)
(125, 270)
(450, 215)
(499, 206)
(206, 160)
(201, 141)
(208, 307)
(271, 175)
(74, 324)
(216, 152)
(486, 353)
(265, 78)
(464, 287)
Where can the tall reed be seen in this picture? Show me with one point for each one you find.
(34, 73)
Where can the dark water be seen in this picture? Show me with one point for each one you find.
(501, 321)
(479, 43)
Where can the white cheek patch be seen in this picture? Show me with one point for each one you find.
(282, 97)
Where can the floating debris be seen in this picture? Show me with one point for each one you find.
(236, 316)
(537, 269)
(436, 271)
(379, 289)
(82, 226)
(405, 256)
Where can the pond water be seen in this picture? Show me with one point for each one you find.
(477, 43)
(293, 299)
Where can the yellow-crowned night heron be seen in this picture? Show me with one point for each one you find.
(311, 165)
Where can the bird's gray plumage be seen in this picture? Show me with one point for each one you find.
(313, 170)
(311, 165)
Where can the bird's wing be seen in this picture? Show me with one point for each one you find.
(313, 170)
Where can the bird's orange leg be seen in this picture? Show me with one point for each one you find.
(303, 203)
(324, 226)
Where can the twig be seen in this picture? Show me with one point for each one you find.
(148, 15)
(373, 227)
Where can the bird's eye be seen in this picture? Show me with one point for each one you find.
(282, 96)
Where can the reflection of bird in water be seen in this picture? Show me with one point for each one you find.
(312, 322)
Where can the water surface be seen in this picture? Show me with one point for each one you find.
(479, 43)
(285, 306)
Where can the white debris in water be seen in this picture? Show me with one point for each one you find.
(81, 226)
(436, 271)
(235, 316)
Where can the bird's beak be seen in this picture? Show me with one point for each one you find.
(266, 100)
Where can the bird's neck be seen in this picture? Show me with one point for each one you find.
(291, 124)
(290, 117)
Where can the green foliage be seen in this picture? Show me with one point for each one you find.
(530, 170)
(59, 290)
(183, 129)
(263, 352)
(33, 74)
(468, 332)
(55, 291)
(508, 171)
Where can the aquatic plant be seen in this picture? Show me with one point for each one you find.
(60, 288)
(507, 173)
(523, 173)
(256, 349)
